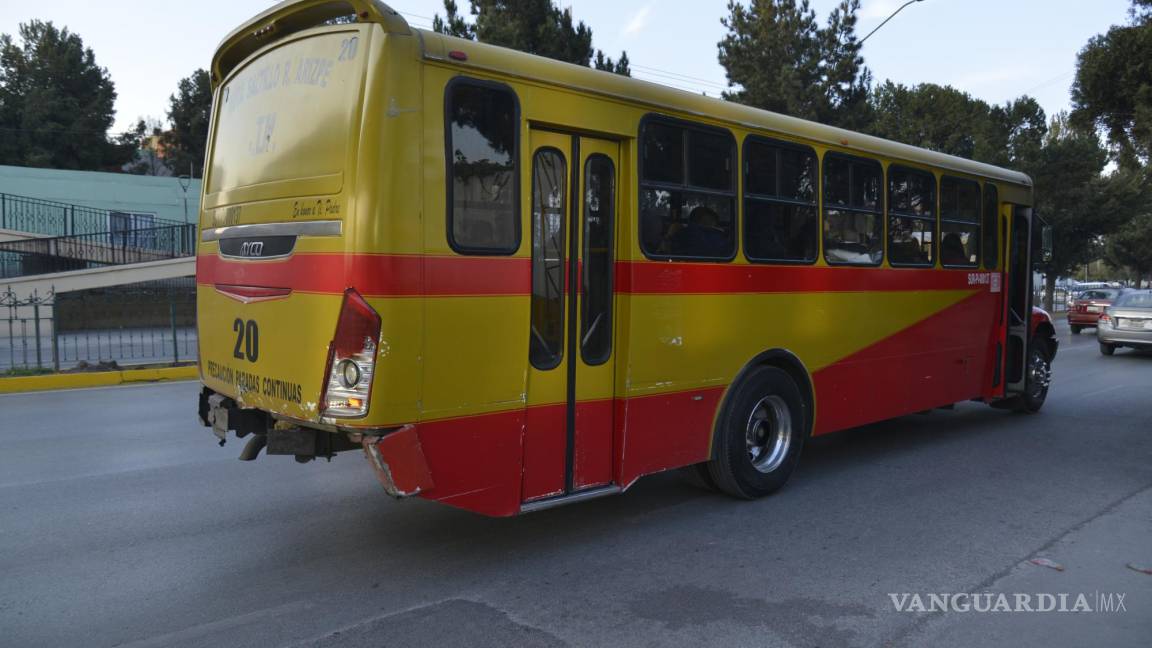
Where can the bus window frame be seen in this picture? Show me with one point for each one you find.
(517, 168)
(557, 355)
(990, 217)
(978, 222)
(745, 196)
(608, 314)
(880, 212)
(642, 184)
(890, 213)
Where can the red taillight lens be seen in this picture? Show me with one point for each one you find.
(351, 359)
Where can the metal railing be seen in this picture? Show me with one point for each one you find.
(147, 323)
(83, 251)
(51, 218)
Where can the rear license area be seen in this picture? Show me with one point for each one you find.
(270, 353)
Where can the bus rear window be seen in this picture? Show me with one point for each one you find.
(483, 158)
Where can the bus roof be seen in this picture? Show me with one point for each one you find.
(295, 15)
(659, 98)
(290, 16)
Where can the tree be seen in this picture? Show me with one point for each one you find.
(605, 63)
(1017, 133)
(56, 103)
(1131, 247)
(940, 118)
(948, 120)
(190, 112)
(1141, 10)
(1113, 87)
(1073, 196)
(144, 139)
(533, 26)
(778, 58)
(453, 23)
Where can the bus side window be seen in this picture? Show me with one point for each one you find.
(549, 200)
(780, 220)
(959, 222)
(687, 191)
(911, 217)
(482, 155)
(853, 228)
(990, 247)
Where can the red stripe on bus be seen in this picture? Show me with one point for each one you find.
(385, 275)
(374, 275)
(648, 277)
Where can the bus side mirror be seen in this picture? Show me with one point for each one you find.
(1046, 244)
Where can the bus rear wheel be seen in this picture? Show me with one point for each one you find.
(759, 435)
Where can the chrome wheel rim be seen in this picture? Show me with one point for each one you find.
(768, 433)
(1039, 373)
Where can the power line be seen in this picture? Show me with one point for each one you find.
(682, 76)
(78, 131)
(678, 77)
(1049, 81)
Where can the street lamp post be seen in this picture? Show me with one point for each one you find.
(185, 182)
(893, 15)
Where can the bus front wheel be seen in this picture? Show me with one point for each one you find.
(759, 435)
(1038, 376)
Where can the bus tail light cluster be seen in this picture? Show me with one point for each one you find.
(351, 359)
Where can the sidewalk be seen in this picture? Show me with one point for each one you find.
(1094, 556)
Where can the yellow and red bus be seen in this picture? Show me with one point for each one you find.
(515, 283)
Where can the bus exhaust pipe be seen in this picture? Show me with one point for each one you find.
(253, 447)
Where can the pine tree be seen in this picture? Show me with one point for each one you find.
(777, 57)
(190, 112)
(56, 103)
(533, 26)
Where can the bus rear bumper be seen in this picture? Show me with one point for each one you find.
(399, 463)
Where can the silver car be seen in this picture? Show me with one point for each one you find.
(1127, 322)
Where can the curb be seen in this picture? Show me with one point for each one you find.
(18, 384)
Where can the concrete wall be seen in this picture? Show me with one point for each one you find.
(115, 191)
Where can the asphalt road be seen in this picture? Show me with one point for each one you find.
(122, 523)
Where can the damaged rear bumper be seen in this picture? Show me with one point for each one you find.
(399, 463)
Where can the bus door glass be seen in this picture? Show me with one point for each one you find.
(1019, 306)
(572, 205)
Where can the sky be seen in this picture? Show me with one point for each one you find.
(995, 50)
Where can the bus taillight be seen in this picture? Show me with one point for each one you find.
(351, 359)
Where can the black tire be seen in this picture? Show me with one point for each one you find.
(1107, 349)
(1037, 376)
(1076, 328)
(768, 408)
